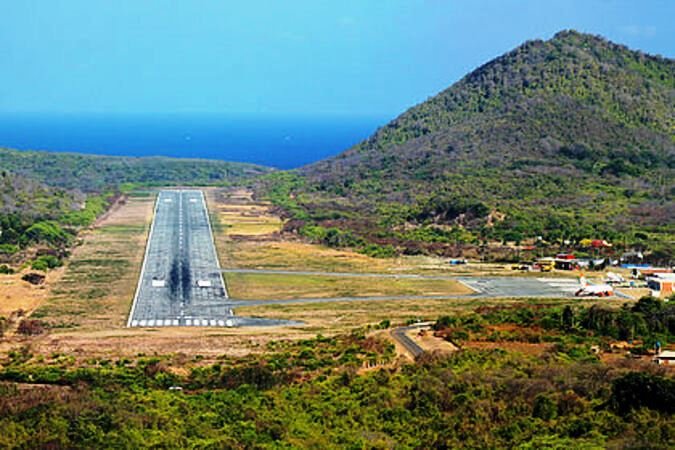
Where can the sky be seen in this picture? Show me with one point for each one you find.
(290, 57)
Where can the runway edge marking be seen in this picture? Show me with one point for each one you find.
(145, 260)
(467, 285)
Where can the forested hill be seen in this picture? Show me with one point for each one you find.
(36, 216)
(94, 173)
(46, 198)
(571, 137)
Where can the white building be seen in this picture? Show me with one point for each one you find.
(666, 357)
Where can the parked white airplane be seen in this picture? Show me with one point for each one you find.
(593, 290)
(613, 278)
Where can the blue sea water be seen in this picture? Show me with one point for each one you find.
(282, 142)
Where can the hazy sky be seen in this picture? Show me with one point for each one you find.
(282, 57)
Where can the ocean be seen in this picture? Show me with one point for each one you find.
(282, 142)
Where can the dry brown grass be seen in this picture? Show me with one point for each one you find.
(62, 285)
(247, 236)
(335, 317)
(238, 215)
(526, 348)
(16, 294)
(100, 277)
(254, 286)
(635, 293)
(206, 343)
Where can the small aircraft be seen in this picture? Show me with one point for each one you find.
(613, 278)
(593, 290)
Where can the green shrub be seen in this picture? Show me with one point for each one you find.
(94, 207)
(48, 232)
(8, 249)
(46, 262)
(544, 407)
(637, 389)
(378, 251)
(384, 324)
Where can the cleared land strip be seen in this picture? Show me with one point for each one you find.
(479, 287)
(342, 274)
(495, 287)
(180, 282)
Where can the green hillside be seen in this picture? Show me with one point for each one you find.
(46, 198)
(92, 173)
(41, 222)
(569, 139)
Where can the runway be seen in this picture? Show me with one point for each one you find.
(181, 283)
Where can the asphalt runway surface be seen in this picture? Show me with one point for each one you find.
(181, 283)
(521, 286)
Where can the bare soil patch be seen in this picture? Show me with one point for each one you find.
(526, 348)
(17, 294)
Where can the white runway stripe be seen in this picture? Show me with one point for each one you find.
(567, 285)
(558, 280)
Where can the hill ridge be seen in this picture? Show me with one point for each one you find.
(575, 128)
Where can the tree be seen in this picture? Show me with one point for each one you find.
(544, 407)
(637, 390)
(568, 318)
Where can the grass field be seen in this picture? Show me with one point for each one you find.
(251, 221)
(237, 214)
(247, 237)
(100, 277)
(327, 318)
(251, 286)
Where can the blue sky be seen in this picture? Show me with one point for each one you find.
(354, 57)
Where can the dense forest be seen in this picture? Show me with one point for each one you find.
(315, 393)
(94, 173)
(567, 139)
